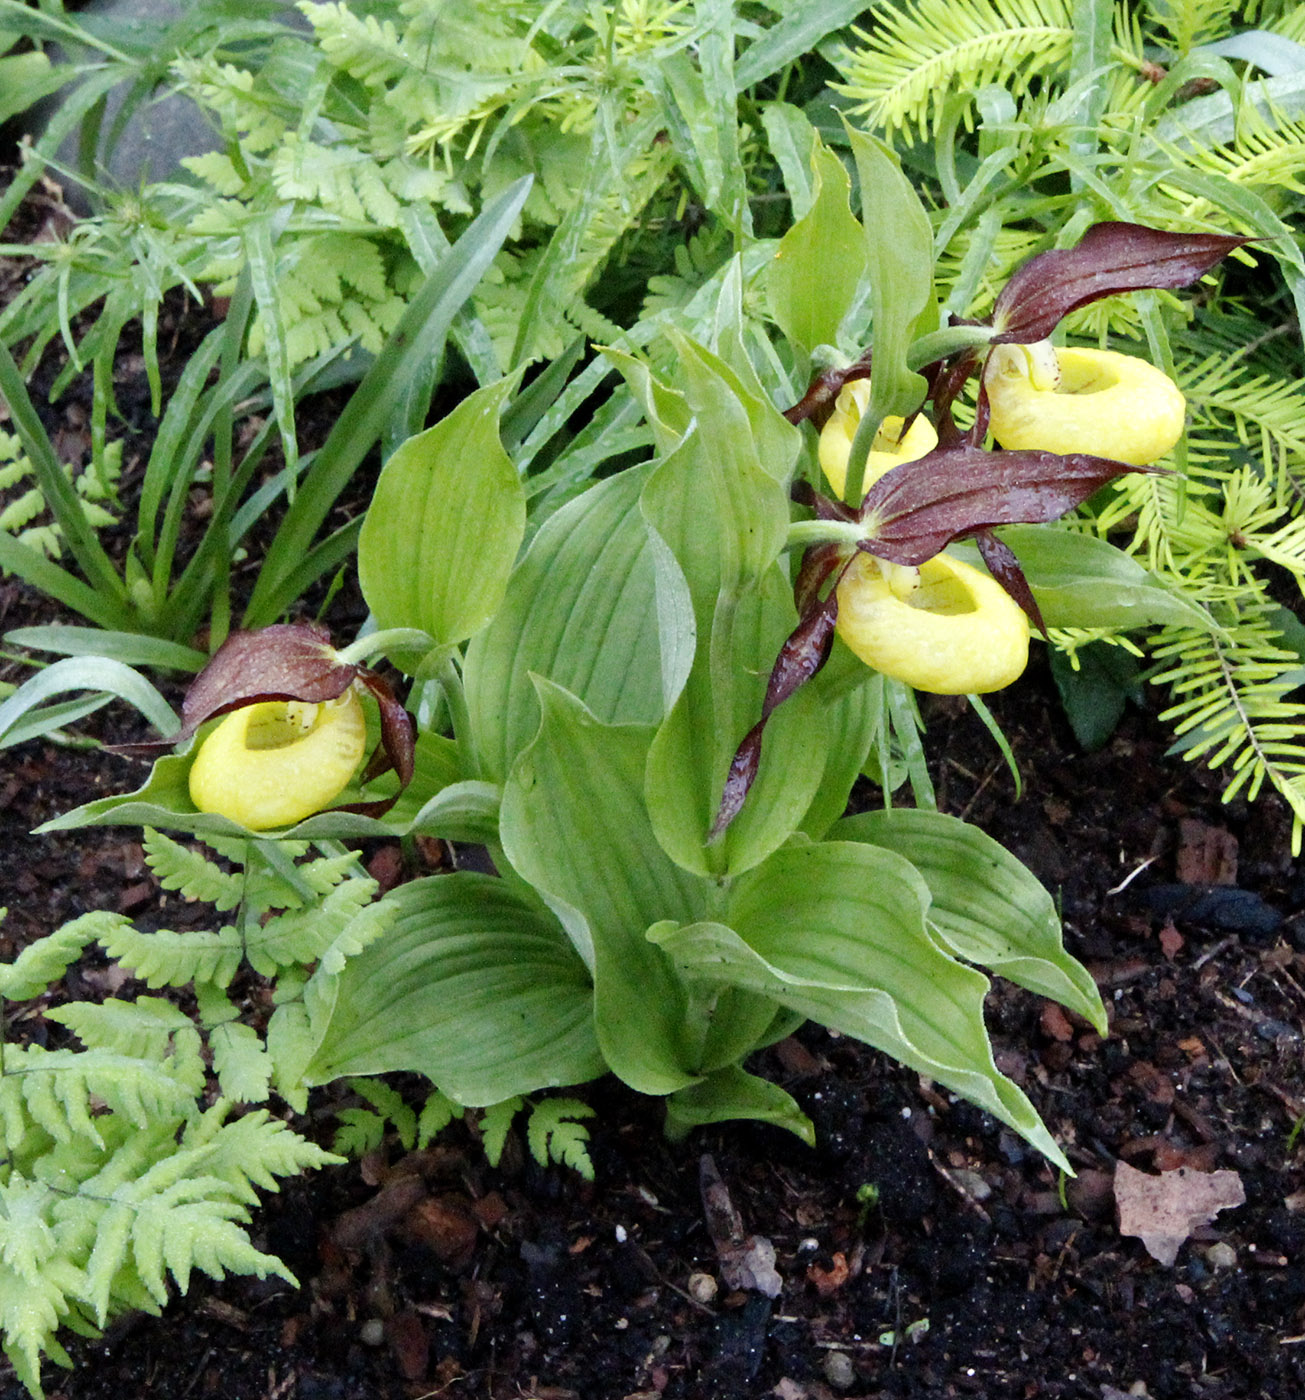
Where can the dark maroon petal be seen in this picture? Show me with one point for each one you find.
(288, 661)
(739, 780)
(398, 734)
(1005, 568)
(914, 511)
(804, 653)
(818, 401)
(824, 506)
(1109, 258)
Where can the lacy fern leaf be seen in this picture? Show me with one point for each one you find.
(914, 57)
(554, 1133)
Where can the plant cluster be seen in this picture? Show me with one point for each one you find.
(657, 604)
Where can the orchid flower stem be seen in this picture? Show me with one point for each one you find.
(866, 431)
(450, 679)
(941, 345)
(804, 532)
(389, 640)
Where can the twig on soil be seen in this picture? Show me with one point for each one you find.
(1214, 952)
(1132, 875)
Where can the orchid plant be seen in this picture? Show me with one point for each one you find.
(670, 895)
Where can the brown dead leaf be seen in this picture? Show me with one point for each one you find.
(1055, 1024)
(1162, 1211)
(746, 1261)
(1171, 941)
(1207, 855)
(828, 1281)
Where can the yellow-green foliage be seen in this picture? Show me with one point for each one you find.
(1026, 159)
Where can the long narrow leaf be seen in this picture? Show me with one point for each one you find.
(424, 325)
(89, 673)
(60, 496)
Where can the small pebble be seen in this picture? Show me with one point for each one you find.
(1221, 1256)
(703, 1288)
(838, 1370)
(372, 1332)
(972, 1183)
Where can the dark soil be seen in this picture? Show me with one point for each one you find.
(966, 1271)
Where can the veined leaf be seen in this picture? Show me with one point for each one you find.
(444, 525)
(474, 986)
(987, 906)
(575, 826)
(837, 932)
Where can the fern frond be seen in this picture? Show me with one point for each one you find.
(1267, 153)
(32, 1302)
(45, 961)
(1232, 706)
(389, 1102)
(190, 872)
(495, 1123)
(914, 57)
(436, 1114)
(253, 1150)
(304, 935)
(360, 1131)
(167, 959)
(146, 1029)
(52, 1088)
(1187, 23)
(553, 1133)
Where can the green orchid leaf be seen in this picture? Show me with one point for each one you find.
(574, 826)
(732, 1093)
(465, 811)
(691, 755)
(720, 516)
(579, 610)
(837, 932)
(813, 281)
(445, 525)
(852, 722)
(475, 986)
(899, 258)
(1080, 580)
(987, 907)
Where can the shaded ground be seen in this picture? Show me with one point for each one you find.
(432, 1275)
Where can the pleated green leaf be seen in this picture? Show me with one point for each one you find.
(581, 610)
(987, 906)
(837, 932)
(445, 525)
(475, 986)
(574, 825)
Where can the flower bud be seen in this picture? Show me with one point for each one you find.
(889, 448)
(1099, 402)
(956, 632)
(274, 763)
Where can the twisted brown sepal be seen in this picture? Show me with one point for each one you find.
(1005, 568)
(290, 661)
(800, 659)
(1109, 258)
(916, 510)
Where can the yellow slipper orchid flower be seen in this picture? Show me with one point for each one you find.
(943, 627)
(889, 449)
(1066, 400)
(275, 763)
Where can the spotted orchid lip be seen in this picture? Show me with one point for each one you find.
(954, 632)
(1097, 401)
(274, 763)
